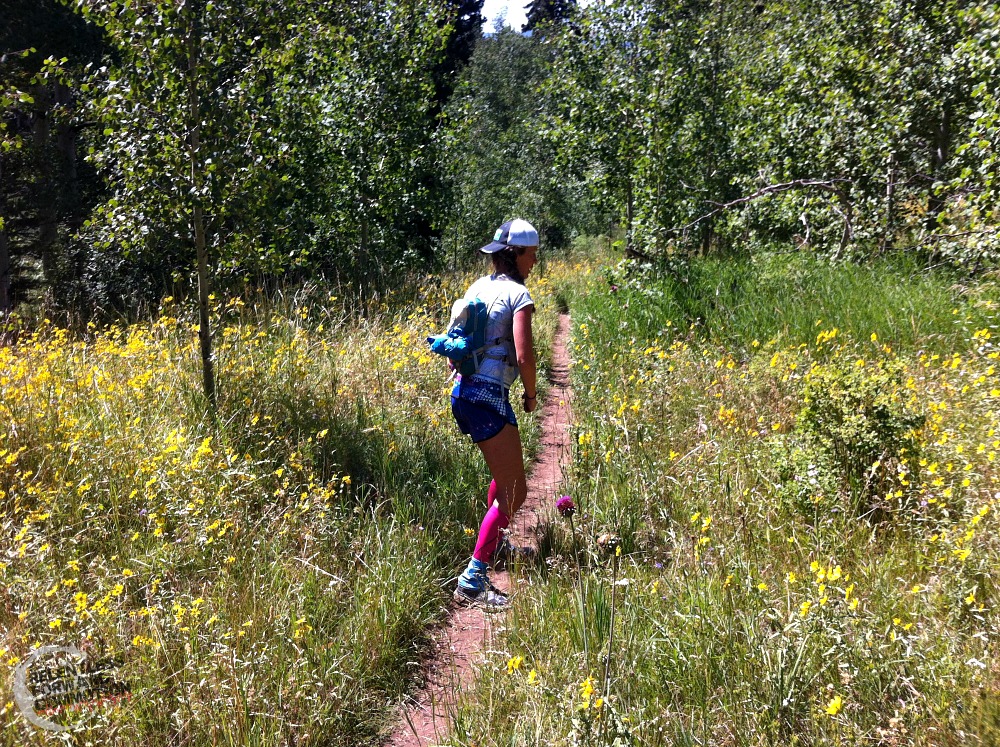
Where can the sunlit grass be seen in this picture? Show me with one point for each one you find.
(806, 493)
(267, 576)
(805, 496)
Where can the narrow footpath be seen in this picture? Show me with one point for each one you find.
(425, 718)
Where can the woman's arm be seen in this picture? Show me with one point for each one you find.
(524, 347)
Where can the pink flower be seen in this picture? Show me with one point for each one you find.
(565, 506)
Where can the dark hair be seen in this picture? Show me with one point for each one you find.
(505, 262)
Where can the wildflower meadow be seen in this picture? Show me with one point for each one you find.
(266, 576)
(234, 502)
(783, 516)
(779, 526)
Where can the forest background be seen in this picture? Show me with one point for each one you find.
(225, 227)
(147, 143)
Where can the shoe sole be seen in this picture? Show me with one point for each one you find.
(465, 601)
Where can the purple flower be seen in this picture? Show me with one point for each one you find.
(566, 506)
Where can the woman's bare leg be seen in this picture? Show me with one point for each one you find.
(505, 458)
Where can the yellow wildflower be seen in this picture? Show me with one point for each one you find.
(834, 706)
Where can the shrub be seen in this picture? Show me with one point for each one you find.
(859, 415)
(808, 476)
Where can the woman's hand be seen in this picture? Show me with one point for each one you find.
(530, 403)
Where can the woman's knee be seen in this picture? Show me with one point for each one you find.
(511, 493)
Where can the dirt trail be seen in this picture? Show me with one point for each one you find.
(466, 633)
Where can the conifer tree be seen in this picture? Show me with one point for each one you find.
(466, 20)
(44, 190)
(552, 12)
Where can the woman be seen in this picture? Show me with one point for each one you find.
(481, 402)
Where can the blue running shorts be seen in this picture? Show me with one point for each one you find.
(481, 409)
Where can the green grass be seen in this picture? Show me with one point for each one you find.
(266, 577)
(806, 518)
(789, 296)
(771, 598)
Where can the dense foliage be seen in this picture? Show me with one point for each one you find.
(283, 139)
(355, 139)
(841, 126)
(784, 467)
(499, 164)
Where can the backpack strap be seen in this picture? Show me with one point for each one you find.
(477, 356)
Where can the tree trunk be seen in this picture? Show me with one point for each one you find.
(5, 305)
(198, 223)
(45, 181)
(847, 212)
(705, 245)
(66, 142)
(204, 320)
(629, 216)
(939, 157)
(4, 275)
(890, 205)
(71, 209)
(363, 247)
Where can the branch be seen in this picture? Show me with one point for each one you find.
(940, 236)
(824, 184)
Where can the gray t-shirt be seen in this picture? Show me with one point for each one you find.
(503, 298)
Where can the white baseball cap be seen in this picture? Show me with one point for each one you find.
(515, 232)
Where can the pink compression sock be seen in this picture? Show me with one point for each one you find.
(491, 494)
(489, 534)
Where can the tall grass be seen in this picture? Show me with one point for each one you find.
(269, 576)
(786, 296)
(801, 462)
